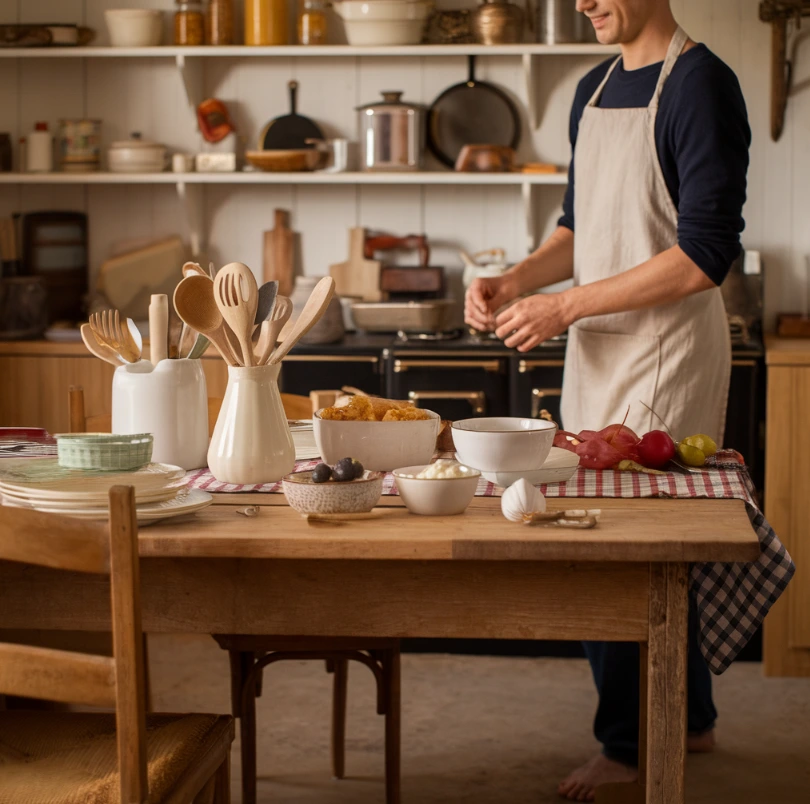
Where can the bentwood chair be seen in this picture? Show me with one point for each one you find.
(249, 655)
(127, 757)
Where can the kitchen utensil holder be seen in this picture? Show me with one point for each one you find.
(252, 443)
(171, 402)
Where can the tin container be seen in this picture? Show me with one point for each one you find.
(391, 134)
(79, 145)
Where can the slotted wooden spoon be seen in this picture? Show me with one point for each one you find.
(237, 296)
(315, 307)
(194, 302)
(271, 329)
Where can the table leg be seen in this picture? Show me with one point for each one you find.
(666, 683)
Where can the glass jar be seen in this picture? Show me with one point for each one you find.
(266, 22)
(189, 23)
(219, 22)
(312, 23)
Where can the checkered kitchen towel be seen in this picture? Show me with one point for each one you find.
(732, 599)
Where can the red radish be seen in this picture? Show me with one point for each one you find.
(655, 449)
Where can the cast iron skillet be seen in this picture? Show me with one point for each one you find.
(290, 131)
(471, 113)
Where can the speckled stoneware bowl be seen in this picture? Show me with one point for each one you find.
(352, 497)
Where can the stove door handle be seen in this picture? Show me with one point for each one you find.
(477, 399)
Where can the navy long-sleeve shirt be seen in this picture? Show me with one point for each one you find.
(702, 138)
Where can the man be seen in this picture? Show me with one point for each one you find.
(651, 225)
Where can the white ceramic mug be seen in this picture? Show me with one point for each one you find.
(170, 401)
(252, 443)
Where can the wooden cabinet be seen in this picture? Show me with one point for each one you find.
(35, 377)
(787, 502)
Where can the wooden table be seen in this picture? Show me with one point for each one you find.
(406, 576)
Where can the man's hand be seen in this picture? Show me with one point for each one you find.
(533, 320)
(484, 298)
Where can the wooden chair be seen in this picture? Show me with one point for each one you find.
(249, 655)
(75, 757)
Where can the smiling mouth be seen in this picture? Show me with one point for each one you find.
(599, 21)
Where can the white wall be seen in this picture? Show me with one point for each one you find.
(146, 95)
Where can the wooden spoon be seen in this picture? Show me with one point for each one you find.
(270, 330)
(194, 302)
(237, 296)
(100, 350)
(315, 307)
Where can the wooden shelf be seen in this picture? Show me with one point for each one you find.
(315, 51)
(317, 177)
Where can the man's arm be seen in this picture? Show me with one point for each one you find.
(668, 277)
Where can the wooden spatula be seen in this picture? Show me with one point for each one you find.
(237, 296)
(315, 307)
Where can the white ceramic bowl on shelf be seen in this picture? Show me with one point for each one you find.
(503, 443)
(444, 496)
(136, 156)
(384, 22)
(134, 27)
(379, 446)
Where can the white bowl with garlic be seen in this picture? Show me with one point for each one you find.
(443, 488)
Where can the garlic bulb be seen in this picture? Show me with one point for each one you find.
(522, 499)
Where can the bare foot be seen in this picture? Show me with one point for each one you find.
(582, 783)
(702, 743)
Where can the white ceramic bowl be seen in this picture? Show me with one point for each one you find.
(383, 22)
(379, 446)
(446, 496)
(134, 27)
(503, 443)
(352, 497)
(136, 156)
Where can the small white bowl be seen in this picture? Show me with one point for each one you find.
(503, 443)
(352, 497)
(379, 446)
(446, 496)
(134, 27)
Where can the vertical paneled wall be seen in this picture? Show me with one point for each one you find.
(146, 95)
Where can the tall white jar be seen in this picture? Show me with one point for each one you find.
(252, 443)
(170, 401)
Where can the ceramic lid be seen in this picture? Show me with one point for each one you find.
(136, 142)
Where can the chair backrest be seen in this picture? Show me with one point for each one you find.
(63, 543)
(295, 407)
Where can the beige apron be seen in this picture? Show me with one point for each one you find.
(676, 358)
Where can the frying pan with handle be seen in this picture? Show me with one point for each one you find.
(471, 113)
(290, 131)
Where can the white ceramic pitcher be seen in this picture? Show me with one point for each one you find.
(170, 401)
(252, 442)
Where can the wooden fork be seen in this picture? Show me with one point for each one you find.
(107, 328)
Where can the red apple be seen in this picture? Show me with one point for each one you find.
(655, 449)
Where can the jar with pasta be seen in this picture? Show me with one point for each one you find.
(189, 23)
(219, 22)
(312, 23)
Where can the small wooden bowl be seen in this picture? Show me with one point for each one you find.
(485, 159)
(291, 161)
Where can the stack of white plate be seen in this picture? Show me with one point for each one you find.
(41, 484)
(304, 440)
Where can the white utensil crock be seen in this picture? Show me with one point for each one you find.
(252, 442)
(171, 402)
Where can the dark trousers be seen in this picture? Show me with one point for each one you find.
(615, 667)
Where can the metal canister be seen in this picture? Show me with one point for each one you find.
(392, 134)
(79, 145)
(559, 22)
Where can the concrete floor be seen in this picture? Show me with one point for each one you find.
(480, 729)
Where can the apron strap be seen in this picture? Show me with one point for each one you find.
(679, 39)
(598, 93)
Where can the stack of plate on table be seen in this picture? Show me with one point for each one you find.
(304, 440)
(41, 484)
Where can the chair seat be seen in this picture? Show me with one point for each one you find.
(70, 757)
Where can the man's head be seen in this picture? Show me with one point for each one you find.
(619, 22)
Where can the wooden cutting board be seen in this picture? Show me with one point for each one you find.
(278, 253)
(357, 277)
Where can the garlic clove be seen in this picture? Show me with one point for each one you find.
(522, 499)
